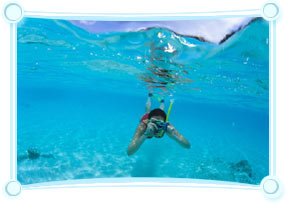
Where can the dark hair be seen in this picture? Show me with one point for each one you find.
(157, 112)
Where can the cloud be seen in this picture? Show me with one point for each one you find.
(88, 23)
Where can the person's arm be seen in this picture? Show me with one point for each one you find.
(138, 139)
(174, 134)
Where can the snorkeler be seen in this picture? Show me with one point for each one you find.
(155, 124)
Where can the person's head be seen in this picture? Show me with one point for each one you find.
(157, 114)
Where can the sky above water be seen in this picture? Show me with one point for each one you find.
(213, 30)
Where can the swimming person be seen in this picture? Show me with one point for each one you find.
(155, 124)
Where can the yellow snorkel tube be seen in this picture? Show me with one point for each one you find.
(170, 107)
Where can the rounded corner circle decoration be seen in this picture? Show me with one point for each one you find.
(13, 188)
(271, 187)
(13, 12)
(270, 11)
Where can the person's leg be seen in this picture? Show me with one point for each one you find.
(148, 103)
(162, 105)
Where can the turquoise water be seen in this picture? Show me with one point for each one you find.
(80, 97)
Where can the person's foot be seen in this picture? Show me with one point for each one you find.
(150, 94)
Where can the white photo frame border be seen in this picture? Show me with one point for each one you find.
(270, 186)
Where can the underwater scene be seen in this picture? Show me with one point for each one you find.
(81, 96)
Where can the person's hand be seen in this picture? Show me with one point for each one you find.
(171, 130)
(151, 129)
